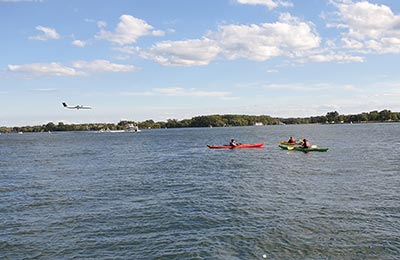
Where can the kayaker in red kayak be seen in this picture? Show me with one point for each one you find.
(291, 140)
(228, 146)
(306, 144)
(233, 143)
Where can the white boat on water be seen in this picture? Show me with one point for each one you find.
(132, 128)
(129, 128)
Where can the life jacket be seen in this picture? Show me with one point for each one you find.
(292, 140)
(307, 144)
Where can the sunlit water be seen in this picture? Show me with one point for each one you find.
(162, 194)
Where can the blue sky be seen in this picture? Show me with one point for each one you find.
(174, 59)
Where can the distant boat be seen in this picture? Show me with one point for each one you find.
(129, 128)
(104, 130)
(132, 128)
(258, 124)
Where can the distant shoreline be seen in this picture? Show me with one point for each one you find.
(228, 120)
(121, 130)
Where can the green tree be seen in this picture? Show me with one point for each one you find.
(385, 115)
(172, 123)
(373, 116)
(50, 127)
(332, 116)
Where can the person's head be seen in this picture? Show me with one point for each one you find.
(233, 140)
(304, 140)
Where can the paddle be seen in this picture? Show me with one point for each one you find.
(292, 147)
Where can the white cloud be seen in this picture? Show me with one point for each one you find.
(48, 34)
(79, 43)
(270, 4)
(79, 68)
(369, 27)
(158, 33)
(352, 43)
(103, 66)
(183, 53)
(43, 69)
(288, 37)
(366, 20)
(128, 30)
(384, 45)
(101, 24)
(44, 90)
(331, 56)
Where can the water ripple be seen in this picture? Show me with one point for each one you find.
(162, 194)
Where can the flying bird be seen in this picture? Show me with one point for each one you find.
(75, 107)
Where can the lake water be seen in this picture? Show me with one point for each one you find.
(162, 194)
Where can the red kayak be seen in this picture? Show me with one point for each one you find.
(259, 145)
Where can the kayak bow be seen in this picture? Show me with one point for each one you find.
(259, 145)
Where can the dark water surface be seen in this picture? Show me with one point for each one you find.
(162, 194)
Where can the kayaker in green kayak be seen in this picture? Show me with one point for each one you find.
(306, 144)
(292, 140)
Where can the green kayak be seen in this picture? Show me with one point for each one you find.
(311, 149)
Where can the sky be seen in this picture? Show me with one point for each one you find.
(173, 59)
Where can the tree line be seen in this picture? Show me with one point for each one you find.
(215, 121)
(335, 117)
